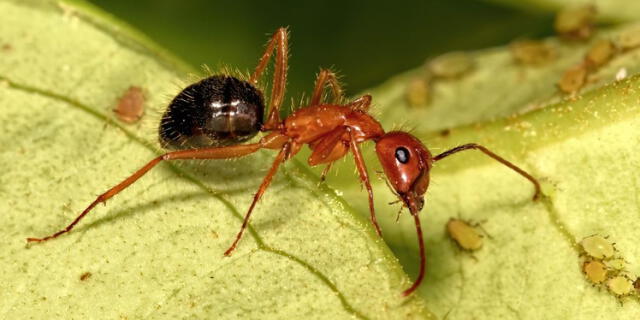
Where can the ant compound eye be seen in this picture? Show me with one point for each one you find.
(402, 155)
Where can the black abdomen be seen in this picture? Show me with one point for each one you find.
(217, 111)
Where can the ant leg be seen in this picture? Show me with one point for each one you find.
(361, 104)
(423, 259)
(327, 150)
(282, 156)
(498, 158)
(323, 77)
(325, 171)
(364, 177)
(270, 141)
(279, 42)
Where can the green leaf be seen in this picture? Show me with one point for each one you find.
(608, 10)
(582, 147)
(156, 250)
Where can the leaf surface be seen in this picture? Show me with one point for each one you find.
(608, 10)
(582, 147)
(156, 249)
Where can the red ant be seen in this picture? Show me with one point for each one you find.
(209, 118)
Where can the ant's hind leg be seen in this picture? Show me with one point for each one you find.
(326, 76)
(282, 156)
(270, 142)
(498, 158)
(279, 42)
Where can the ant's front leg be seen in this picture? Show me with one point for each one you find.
(364, 177)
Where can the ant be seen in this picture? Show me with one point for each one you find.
(209, 119)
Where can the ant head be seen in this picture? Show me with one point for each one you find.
(406, 163)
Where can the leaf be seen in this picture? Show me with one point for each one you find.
(156, 250)
(608, 10)
(584, 150)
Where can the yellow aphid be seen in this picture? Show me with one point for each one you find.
(620, 285)
(615, 264)
(573, 79)
(417, 92)
(466, 236)
(450, 65)
(597, 247)
(600, 53)
(629, 39)
(595, 271)
(576, 22)
(531, 52)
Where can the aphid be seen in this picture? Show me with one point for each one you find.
(620, 285)
(450, 65)
(576, 22)
(465, 236)
(573, 79)
(217, 113)
(629, 39)
(531, 52)
(616, 264)
(597, 247)
(595, 271)
(130, 107)
(417, 92)
(600, 53)
(85, 276)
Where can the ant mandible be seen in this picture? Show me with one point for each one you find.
(208, 119)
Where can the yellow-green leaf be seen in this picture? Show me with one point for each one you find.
(609, 10)
(582, 147)
(156, 250)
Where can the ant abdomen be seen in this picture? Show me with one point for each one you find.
(217, 111)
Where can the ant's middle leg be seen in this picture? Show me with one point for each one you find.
(326, 76)
(282, 156)
(327, 150)
(361, 104)
(279, 43)
(272, 141)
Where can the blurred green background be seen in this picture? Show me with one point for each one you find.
(367, 42)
